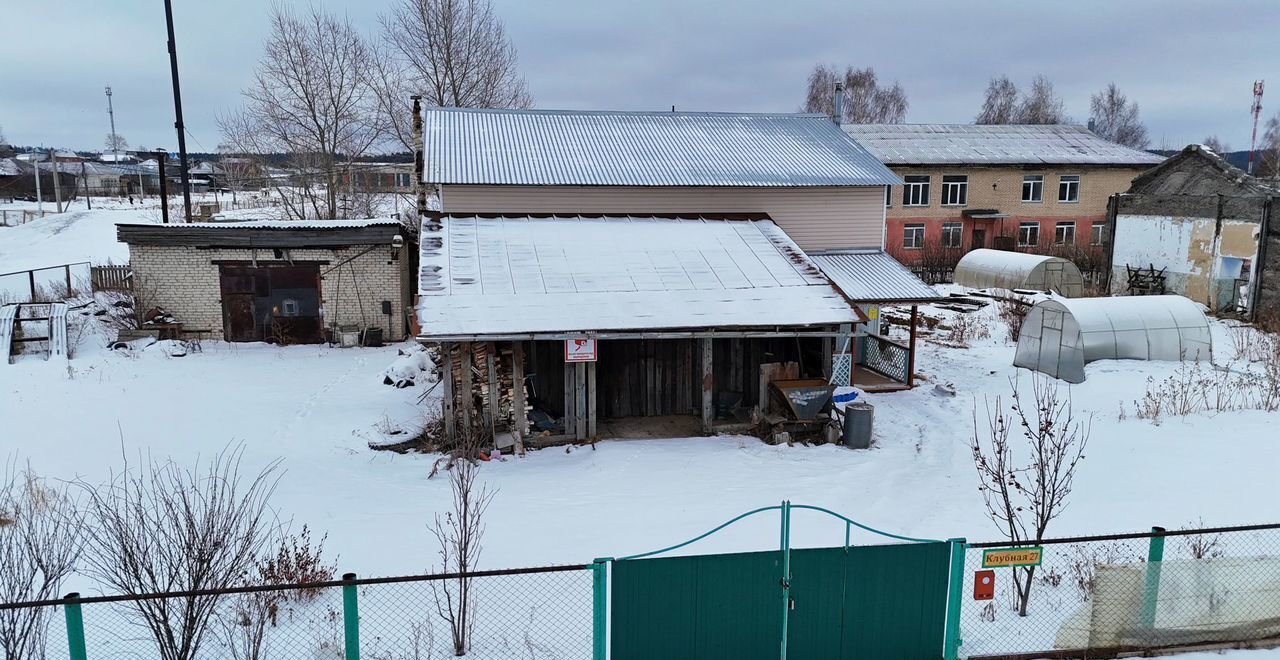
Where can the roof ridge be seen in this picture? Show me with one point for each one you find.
(657, 113)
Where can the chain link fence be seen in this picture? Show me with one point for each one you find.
(1125, 593)
(522, 613)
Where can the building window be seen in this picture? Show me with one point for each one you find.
(1028, 234)
(915, 192)
(1069, 188)
(955, 190)
(404, 179)
(1099, 229)
(1065, 233)
(1033, 188)
(888, 196)
(913, 237)
(952, 234)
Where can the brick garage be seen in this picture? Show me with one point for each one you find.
(275, 280)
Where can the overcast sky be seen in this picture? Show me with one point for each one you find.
(1190, 64)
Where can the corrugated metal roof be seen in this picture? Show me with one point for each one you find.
(608, 148)
(995, 144)
(521, 275)
(872, 276)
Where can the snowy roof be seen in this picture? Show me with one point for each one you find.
(284, 224)
(262, 233)
(523, 275)
(872, 275)
(993, 144)
(116, 158)
(609, 148)
(9, 167)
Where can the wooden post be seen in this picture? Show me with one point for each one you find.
(570, 415)
(911, 352)
(520, 420)
(591, 400)
(468, 387)
(580, 400)
(67, 268)
(708, 405)
(828, 350)
(450, 421)
(31, 280)
(491, 362)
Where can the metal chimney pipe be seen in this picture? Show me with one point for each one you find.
(838, 115)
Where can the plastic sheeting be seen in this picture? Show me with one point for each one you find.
(1060, 336)
(999, 269)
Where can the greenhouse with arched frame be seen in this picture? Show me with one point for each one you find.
(1060, 336)
(999, 269)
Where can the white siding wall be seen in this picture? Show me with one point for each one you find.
(815, 218)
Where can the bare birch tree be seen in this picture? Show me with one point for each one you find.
(455, 53)
(1216, 145)
(1041, 104)
(1000, 104)
(115, 142)
(866, 101)
(1026, 487)
(458, 533)
(1269, 150)
(162, 528)
(312, 98)
(40, 542)
(1116, 118)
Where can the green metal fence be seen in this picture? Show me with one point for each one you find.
(874, 601)
(1129, 593)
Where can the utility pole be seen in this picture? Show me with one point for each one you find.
(161, 156)
(1256, 110)
(39, 195)
(177, 111)
(57, 180)
(88, 198)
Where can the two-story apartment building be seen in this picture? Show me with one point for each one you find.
(968, 186)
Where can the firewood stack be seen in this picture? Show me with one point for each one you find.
(480, 381)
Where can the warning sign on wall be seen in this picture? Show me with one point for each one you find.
(579, 350)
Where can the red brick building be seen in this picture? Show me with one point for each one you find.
(1031, 188)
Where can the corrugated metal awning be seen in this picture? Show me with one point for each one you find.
(873, 276)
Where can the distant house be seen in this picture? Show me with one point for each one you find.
(18, 181)
(1207, 230)
(380, 177)
(964, 186)
(278, 281)
(603, 266)
(117, 158)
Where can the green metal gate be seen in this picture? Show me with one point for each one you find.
(876, 601)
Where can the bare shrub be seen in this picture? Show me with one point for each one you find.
(127, 310)
(1013, 314)
(1085, 560)
(458, 533)
(162, 528)
(245, 626)
(1026, 488)
(1195, 388)
(1202, 546)
(298, 560)
(40, 542)
(967, 327)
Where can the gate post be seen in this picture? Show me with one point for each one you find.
(786, 575)
(1150, 596)
(350, 617)
(600, 608)
(75, 627)
(951, 635)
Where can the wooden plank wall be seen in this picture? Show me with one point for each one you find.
(646, 378)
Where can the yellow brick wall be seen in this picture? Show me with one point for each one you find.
(185, 282)
(1001, 189)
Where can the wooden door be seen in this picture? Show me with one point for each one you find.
(979, 239)
(238, 293)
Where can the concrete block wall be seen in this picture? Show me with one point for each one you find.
(185, 281)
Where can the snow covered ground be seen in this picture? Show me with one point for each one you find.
(316, 409)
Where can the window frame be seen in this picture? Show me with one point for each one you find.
(1060, 236)
(1098, 232)
(949, 229)
(1036, 183)
(1023, 228)
(962, 186)
(1064, 184)
(913, 229)
(909, 188)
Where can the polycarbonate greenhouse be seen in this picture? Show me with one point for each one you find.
(999, 269)
(1060, 336)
